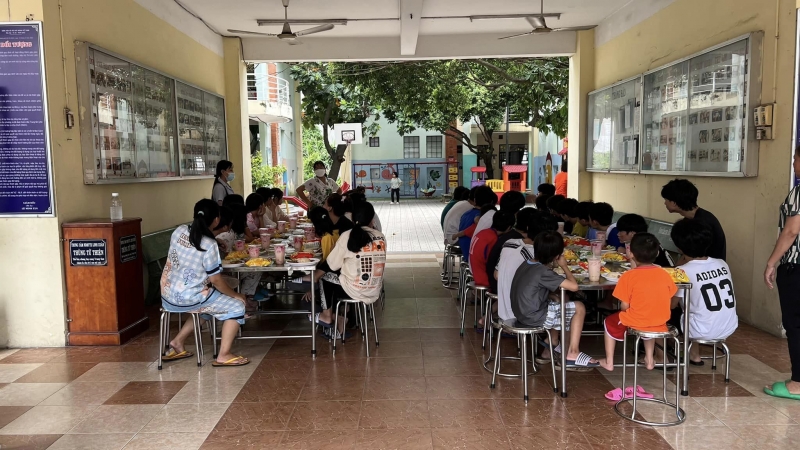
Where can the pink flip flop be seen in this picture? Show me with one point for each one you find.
(616, 394)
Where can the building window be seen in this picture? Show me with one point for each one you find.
(410, 146)
(433, 146)
(374, 142)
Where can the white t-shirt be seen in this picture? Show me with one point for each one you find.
(485, 222)
(396, 183)
(712, 305)
(453, 219)
(514, 253)
(318, 191)
(376, 222)
(361, 273)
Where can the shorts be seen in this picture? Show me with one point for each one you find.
(553, 318)
(228, 308)
(614, 327)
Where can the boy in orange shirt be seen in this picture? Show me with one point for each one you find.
(645, 293)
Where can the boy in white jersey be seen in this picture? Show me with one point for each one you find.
(712, 305)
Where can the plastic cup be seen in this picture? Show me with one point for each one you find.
(293, 222)
(280, 254)
(298, 243)
(265, 239)
(628, 250)
(597, 247)
(254, 250)
(281, 226)
(301, 213)
(561, 227)
(595, 263)
(239, 245)
(262, 232)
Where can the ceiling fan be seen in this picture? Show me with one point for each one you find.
(286, 34)
(540, 26)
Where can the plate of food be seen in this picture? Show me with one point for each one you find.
(614, 257)
(300, 262)
(237, 255)
(577, 241)
(612, 276)
(232, 263)
(678, 275)
(570, 255)
(258, 262)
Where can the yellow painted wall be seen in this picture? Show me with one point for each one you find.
(747, 208)
(32, 298)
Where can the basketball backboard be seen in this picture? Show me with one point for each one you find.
(344, 133)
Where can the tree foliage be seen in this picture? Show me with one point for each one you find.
(439, 95)
(265, 175)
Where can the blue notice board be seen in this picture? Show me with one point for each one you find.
(26, 179)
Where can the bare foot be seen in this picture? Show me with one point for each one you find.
(176, 346)
(605, 364)
(649, 363)
(793, 387)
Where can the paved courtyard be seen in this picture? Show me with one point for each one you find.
(412, 226)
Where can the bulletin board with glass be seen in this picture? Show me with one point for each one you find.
(144, 125)
(613, 127)
(695, 115)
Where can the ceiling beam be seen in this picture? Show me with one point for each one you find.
(410, 15)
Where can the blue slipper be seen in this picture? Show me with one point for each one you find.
(319, 322)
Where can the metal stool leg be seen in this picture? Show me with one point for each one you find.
(497, 358)
(677, 381)
(214, 335)
(165, 327)
(553, 365)
(365, 331)
(345, 322)
(161, 339)
(336, 326)
(636, 375)
(524, 368)
(727, 362)
(714, 357)
(198, 344)
(375, 325)
(463, 311)
(487, 306)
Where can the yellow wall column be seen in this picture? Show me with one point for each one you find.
(236, 116)
(581, 82)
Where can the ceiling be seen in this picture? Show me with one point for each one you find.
(242, 15)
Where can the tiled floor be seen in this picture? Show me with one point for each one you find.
(423, 388)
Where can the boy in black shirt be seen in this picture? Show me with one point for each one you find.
(630, 224)
(680, 196)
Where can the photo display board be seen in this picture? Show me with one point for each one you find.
(613, 127)
(145, 125)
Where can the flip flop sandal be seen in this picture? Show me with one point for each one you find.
(583, 360)
(640, 392)
(319, 322)
(174, 356)
(696, 363)
(232, 362)
(779, 390)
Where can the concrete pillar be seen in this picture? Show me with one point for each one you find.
(581, 82)
(236, 116)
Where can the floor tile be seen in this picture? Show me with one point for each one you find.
(171, 441)
(90, 354)
(696, 414)
(419, 439)
(56, 373)
(33, 355)
(285, 368)
(27, 394)
(768, 437)
(713, 385)
(339, 368)
(394, 414)
(449, 321)
(251, 417)
(551, 438)
(48, 420)
(146, 393)
(442, 366)
(92, 441)
(597, 412)
(312, 440)
(270, 389)
(10, 413)
(209, 391)
(396, 349)
(318, 416)
(114, 371)
(395, 388)
(447, 349)
(117, 419)
(395, 367)
(470, 387)
(788, 407)
(632, 438)
(398, 334)
(83, 393)
(225, 440)
(738, 411)
(702, 438)
(10, 373)
(181, 418)
(473, 414)
(469, 439)
(28, 442)
(407, 321)
(333, 388)
(516, 413)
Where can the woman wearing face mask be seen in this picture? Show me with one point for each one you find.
(224, 176)
(318, 188)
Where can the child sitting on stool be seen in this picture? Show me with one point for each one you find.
(645, 293)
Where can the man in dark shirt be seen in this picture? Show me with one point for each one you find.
(680, 196)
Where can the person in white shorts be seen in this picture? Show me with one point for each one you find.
(712, 304)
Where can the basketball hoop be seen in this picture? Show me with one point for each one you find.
(347, 133)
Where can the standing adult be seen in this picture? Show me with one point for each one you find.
(680, 196)
(395, 187)
(224, 176)
(786, 256)
(318, 188)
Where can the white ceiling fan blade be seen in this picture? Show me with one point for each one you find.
(586, 27)
(319, 29)
(516, 35)
(251, 32)
(536, 22)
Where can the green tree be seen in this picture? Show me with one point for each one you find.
(265, 175)
(313, 150)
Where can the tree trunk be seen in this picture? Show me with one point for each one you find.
(338, 158)
(487, 160)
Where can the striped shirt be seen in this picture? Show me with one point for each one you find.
(790, 208)
(514, 253)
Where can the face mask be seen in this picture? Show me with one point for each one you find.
(319, 172)
(231, 176)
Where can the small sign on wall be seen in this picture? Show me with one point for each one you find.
(127, 248)
(88, 252)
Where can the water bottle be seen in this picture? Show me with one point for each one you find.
(116, 207)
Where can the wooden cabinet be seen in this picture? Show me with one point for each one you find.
(105, 293)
